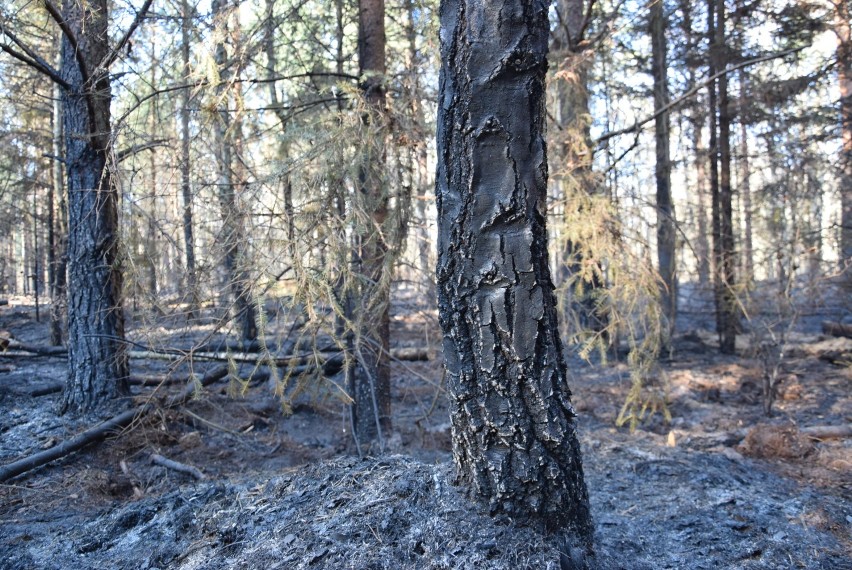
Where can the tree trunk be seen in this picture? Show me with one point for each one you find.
(745, 189)
(844, 77)
(713, 155)
(419, 155)
(726, 260)
(702, 244)
(227, 133)
(152, 249)
(97, 360)
(283, 150)
(573, 162)
(370, 379)
(186, 167)
(514, 436)
(57, 227)
(666, 237)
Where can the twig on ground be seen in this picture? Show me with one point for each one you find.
(177, 466)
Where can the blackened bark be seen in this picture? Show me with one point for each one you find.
(97, 359)
(725, 261)
(666, 254)
(370, 379)
(514, 435)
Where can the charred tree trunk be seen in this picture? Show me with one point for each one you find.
(666, 242)
(186, 167)
(514, 435)
(97, 360)
(726, 259)
(844, 77)
(370, 379)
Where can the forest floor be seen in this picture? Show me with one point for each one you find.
(718, 486)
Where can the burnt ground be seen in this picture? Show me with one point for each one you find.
(719, 486)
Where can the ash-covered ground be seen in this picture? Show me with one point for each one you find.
(720, 486)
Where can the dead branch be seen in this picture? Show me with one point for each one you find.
(105, 429)
(158, 459)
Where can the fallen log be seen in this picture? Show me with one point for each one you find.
(24, 350)
(836, 329)
(827, 432)
(104, 429)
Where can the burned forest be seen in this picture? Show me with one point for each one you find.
(427, 284)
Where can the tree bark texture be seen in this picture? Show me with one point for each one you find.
(844, 77)
(370, 379)
(666, 237)
(726, 260)
(514, 435)
(97, 361)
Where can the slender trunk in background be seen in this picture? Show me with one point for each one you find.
(419, 159)
(713, 155)
(370, 379)
(514, 435)
(283, 155)
(726, 261)
(97, 357)
(745, 189)
(186, 166)
(698, 120)
(573, 161)
(152, 249)
(701, 156)
(666, 237)
(227, 134)
(55, 251)
(36, 253)
(844, 78)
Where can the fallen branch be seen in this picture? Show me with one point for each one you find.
(827, 432)
(104, 429)
(836, 329)
(177, 466)
(13, 344)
